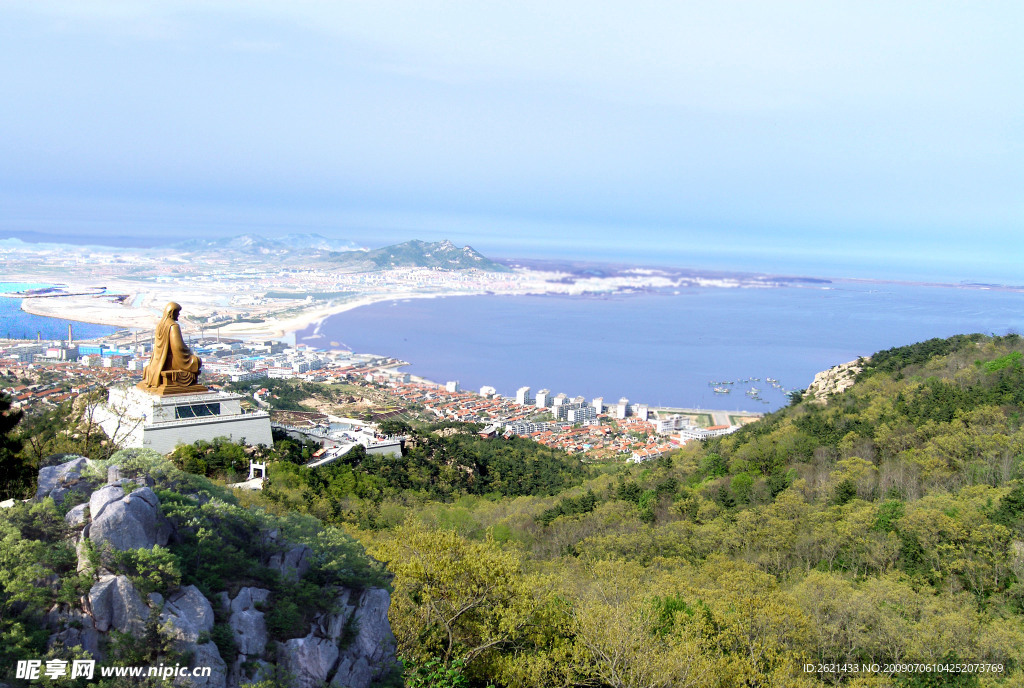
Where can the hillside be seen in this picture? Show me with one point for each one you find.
(881, 526)
(880, 522)
(415, 253)
(130, 561)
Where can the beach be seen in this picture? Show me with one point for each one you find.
(104, 311)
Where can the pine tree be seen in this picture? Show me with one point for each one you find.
(13, 471)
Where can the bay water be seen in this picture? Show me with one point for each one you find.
(668, 349)
(16, 323)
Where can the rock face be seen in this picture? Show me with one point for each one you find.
(319, 657)
(127, 521)
(188, 616)
(59, 481)
(293, 563)
(372, 652)
(351, 646)
(188, 613)
(247, 623)
(76, 629)
(835, 380)
(116, 604)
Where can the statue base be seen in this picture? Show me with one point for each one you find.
(145, 417)
(169, 388)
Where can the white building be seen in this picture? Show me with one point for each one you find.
(488, 391)
(523, 397)
(543, 398)
(598, 404)
(452, 386)
(622, 410)
(584, 415)
(666, 426)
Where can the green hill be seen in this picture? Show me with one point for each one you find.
(415, 253)
(872, 538)
(884, 526)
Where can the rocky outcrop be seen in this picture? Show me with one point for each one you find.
(350, 646)
(127, 521)
(188, 614)
(835, 380)
(310, 660)
(75, 629)
(114, 603)
(76, 515)
(207, 655)
(371, 654)
(60, 482)
(188, 617)
(247, 623)
(328, 655)
(292, 564)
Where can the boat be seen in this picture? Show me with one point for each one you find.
(721, 390)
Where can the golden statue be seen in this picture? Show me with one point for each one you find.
(173, 368)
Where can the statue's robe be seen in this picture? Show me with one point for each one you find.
(170, 353)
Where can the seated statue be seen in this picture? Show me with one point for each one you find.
(173, 368)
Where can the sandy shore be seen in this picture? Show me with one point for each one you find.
(101, 311)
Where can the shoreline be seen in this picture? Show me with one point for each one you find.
(89, 309)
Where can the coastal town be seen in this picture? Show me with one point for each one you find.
(44, 374)
(251, 287)
(246, 297)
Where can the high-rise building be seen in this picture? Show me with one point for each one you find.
(544, 398)
(523, 397)
(622, 410)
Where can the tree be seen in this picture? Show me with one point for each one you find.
(454, 599)
(15, 475)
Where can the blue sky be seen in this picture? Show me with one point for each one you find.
(840, 138)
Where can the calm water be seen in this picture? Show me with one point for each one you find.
(663, 349)
(16, 323)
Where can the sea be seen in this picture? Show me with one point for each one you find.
(17, 324)
(671, 349)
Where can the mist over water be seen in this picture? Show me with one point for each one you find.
(664, 348)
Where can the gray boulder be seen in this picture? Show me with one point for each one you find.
(127, 521)
(245, 671)
(205, 655)
(292, 564)
(76, 516)
(310, 660)
(115, 603)
(74, 629)
(59, 481)
(371, 654)
(333, 625)
(353, 672)
(188, 614)
(247, 623)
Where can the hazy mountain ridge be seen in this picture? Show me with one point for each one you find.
(251, 243)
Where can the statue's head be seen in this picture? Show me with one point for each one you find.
(171, 310)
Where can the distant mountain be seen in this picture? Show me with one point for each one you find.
(250, 243)
(423, 254)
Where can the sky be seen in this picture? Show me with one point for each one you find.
(865, 139)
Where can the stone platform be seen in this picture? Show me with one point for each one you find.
(132, 417)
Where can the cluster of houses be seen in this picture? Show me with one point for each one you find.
(573, 425)
(49, 373)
